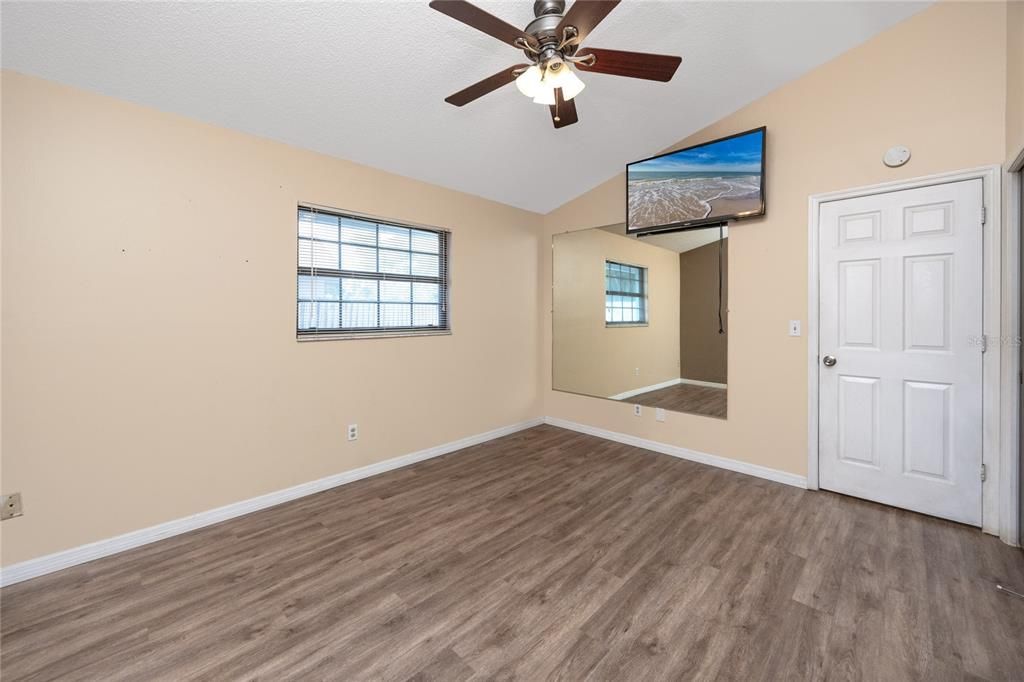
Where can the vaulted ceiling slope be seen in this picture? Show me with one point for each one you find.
(366, 81)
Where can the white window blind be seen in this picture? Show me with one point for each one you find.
(625, 294)
(358, 276)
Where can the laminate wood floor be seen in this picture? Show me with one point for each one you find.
(707, 400)
(542, 555)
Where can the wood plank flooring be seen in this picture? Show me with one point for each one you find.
(707, 400)
(542, 555)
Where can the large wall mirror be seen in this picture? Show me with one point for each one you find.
(643, 320)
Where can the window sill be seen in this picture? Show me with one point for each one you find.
(370, 335)
(617, 325)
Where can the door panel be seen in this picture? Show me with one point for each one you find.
(928, 302)
(858, 423)
(926, 429)
(900, 286)
(859, 303)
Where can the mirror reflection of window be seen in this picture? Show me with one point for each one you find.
(625, 294)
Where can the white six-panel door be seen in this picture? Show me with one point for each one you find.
(900, 291)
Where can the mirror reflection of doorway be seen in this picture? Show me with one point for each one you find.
(1020, 349)
(643, 320)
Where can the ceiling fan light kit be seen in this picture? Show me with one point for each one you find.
(529, 80)
(552, 43)
(539, 83)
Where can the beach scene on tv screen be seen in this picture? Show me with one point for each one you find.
(719, 179)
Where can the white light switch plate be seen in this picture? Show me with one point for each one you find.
(794, 327)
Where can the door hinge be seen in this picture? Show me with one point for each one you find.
(984, 472)
(984, 216)
(984, 343)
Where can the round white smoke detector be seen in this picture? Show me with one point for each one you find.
(896, 156)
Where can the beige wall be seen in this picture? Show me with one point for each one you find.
(1014, 79)
(702, 350)
(593, 359)
(936, 83)
(150, 364)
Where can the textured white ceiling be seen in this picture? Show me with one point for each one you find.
(366, 80)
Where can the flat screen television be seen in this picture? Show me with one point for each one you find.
(710, 183)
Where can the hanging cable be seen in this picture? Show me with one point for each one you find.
(721, 236)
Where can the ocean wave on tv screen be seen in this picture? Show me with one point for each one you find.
(665, 198)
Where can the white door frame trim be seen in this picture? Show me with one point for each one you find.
(1011, 532)
(999, 491)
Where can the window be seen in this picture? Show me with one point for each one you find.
(359, 277)
(625, 294)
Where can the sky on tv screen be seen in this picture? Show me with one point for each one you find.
(736, 155)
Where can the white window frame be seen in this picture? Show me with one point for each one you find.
(444, 329)
(643, 295)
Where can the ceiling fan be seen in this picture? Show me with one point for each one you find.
(552, 43)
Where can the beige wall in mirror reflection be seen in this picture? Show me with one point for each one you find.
(591, 358)
(703, 351)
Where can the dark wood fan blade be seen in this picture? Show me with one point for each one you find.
(655, 67)
(471, 15)
(563, 113)
(489, 84)
(585, 15)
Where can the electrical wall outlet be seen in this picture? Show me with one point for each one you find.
(11, 506)
(659, 414)
(353, 431)
(637, 410)
(636, 371)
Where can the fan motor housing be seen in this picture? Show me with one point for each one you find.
(548, 15)
(542, 7)
(545, 29)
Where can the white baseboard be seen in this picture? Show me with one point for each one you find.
(645, 389)
(709, 384)
(684, 453)
(665, 384)
(32, 568)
